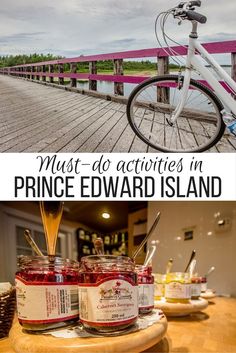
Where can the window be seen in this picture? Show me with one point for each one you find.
(23, 248)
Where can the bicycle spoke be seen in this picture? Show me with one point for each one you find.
(196, 127)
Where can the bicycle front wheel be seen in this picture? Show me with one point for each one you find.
(199, 127)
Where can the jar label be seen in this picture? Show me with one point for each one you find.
(196, 289)
(176, 290)
(159, 290)
(146, 296)
(110, 302)
(45, 303)
(204, 287)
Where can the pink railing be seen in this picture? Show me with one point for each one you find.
(43, 70)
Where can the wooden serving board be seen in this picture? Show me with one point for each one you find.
(130, 343)
(181, 309)
(208, 295)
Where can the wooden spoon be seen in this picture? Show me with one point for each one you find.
(32, 243)
(169, 266)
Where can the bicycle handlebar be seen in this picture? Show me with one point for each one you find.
(197, 3)
(190, 4)
(195, 16)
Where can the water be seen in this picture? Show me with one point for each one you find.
(108, 87)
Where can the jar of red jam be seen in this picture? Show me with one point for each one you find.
(145, 289)
(108, 293)
(204, 284)
(47, 292)
(196, 287)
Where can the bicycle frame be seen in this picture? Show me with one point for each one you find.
(193, 61)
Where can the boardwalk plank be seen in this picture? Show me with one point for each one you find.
(38, 118)
(101, 134)
(77, 142)
(108, 143)
(49, 128)
(64, 134)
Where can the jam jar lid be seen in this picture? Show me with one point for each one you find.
(45, 262)
(106, 263)
(143, 270)
(183, 277)
(196, 279)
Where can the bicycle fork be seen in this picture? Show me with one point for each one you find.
(184, 87)
(187, 76)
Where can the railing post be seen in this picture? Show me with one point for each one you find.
(119, 71)
(73, 70)
(61, 71)
(28, 69)
(163, 94)
(37, 76)
(233, 70)
(93, 71)
(51, 71)
(32, 72)
(44, 70)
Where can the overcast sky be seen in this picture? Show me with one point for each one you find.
(75, 27)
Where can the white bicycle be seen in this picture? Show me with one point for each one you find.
(175, 113)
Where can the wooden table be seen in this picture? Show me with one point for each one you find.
(133, 342)
(211, 331)
(181, 309)
(5, 346)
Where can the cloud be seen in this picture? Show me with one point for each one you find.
(20, 37)
(75, 27)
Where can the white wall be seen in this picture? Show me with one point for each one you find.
(217, 249)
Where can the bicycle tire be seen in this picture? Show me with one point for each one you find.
(193, 83)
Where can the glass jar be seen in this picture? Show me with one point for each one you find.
(145, 289)
(108, 293)
(204, 284)
(196, 287)
(159, 286)
(178, 287)
(46, 292)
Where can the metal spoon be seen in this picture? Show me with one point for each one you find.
(153, 227)
(169, 266)
(153, 242)
(192, 267)
(210, 271)
(190, 260)
(99, 246)
(150, 254)
(32, 243)
(51, 213)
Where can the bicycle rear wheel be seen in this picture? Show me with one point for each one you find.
(151, 104)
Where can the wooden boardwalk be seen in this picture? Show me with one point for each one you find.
(38, 118)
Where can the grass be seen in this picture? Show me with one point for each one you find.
(150, 73)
